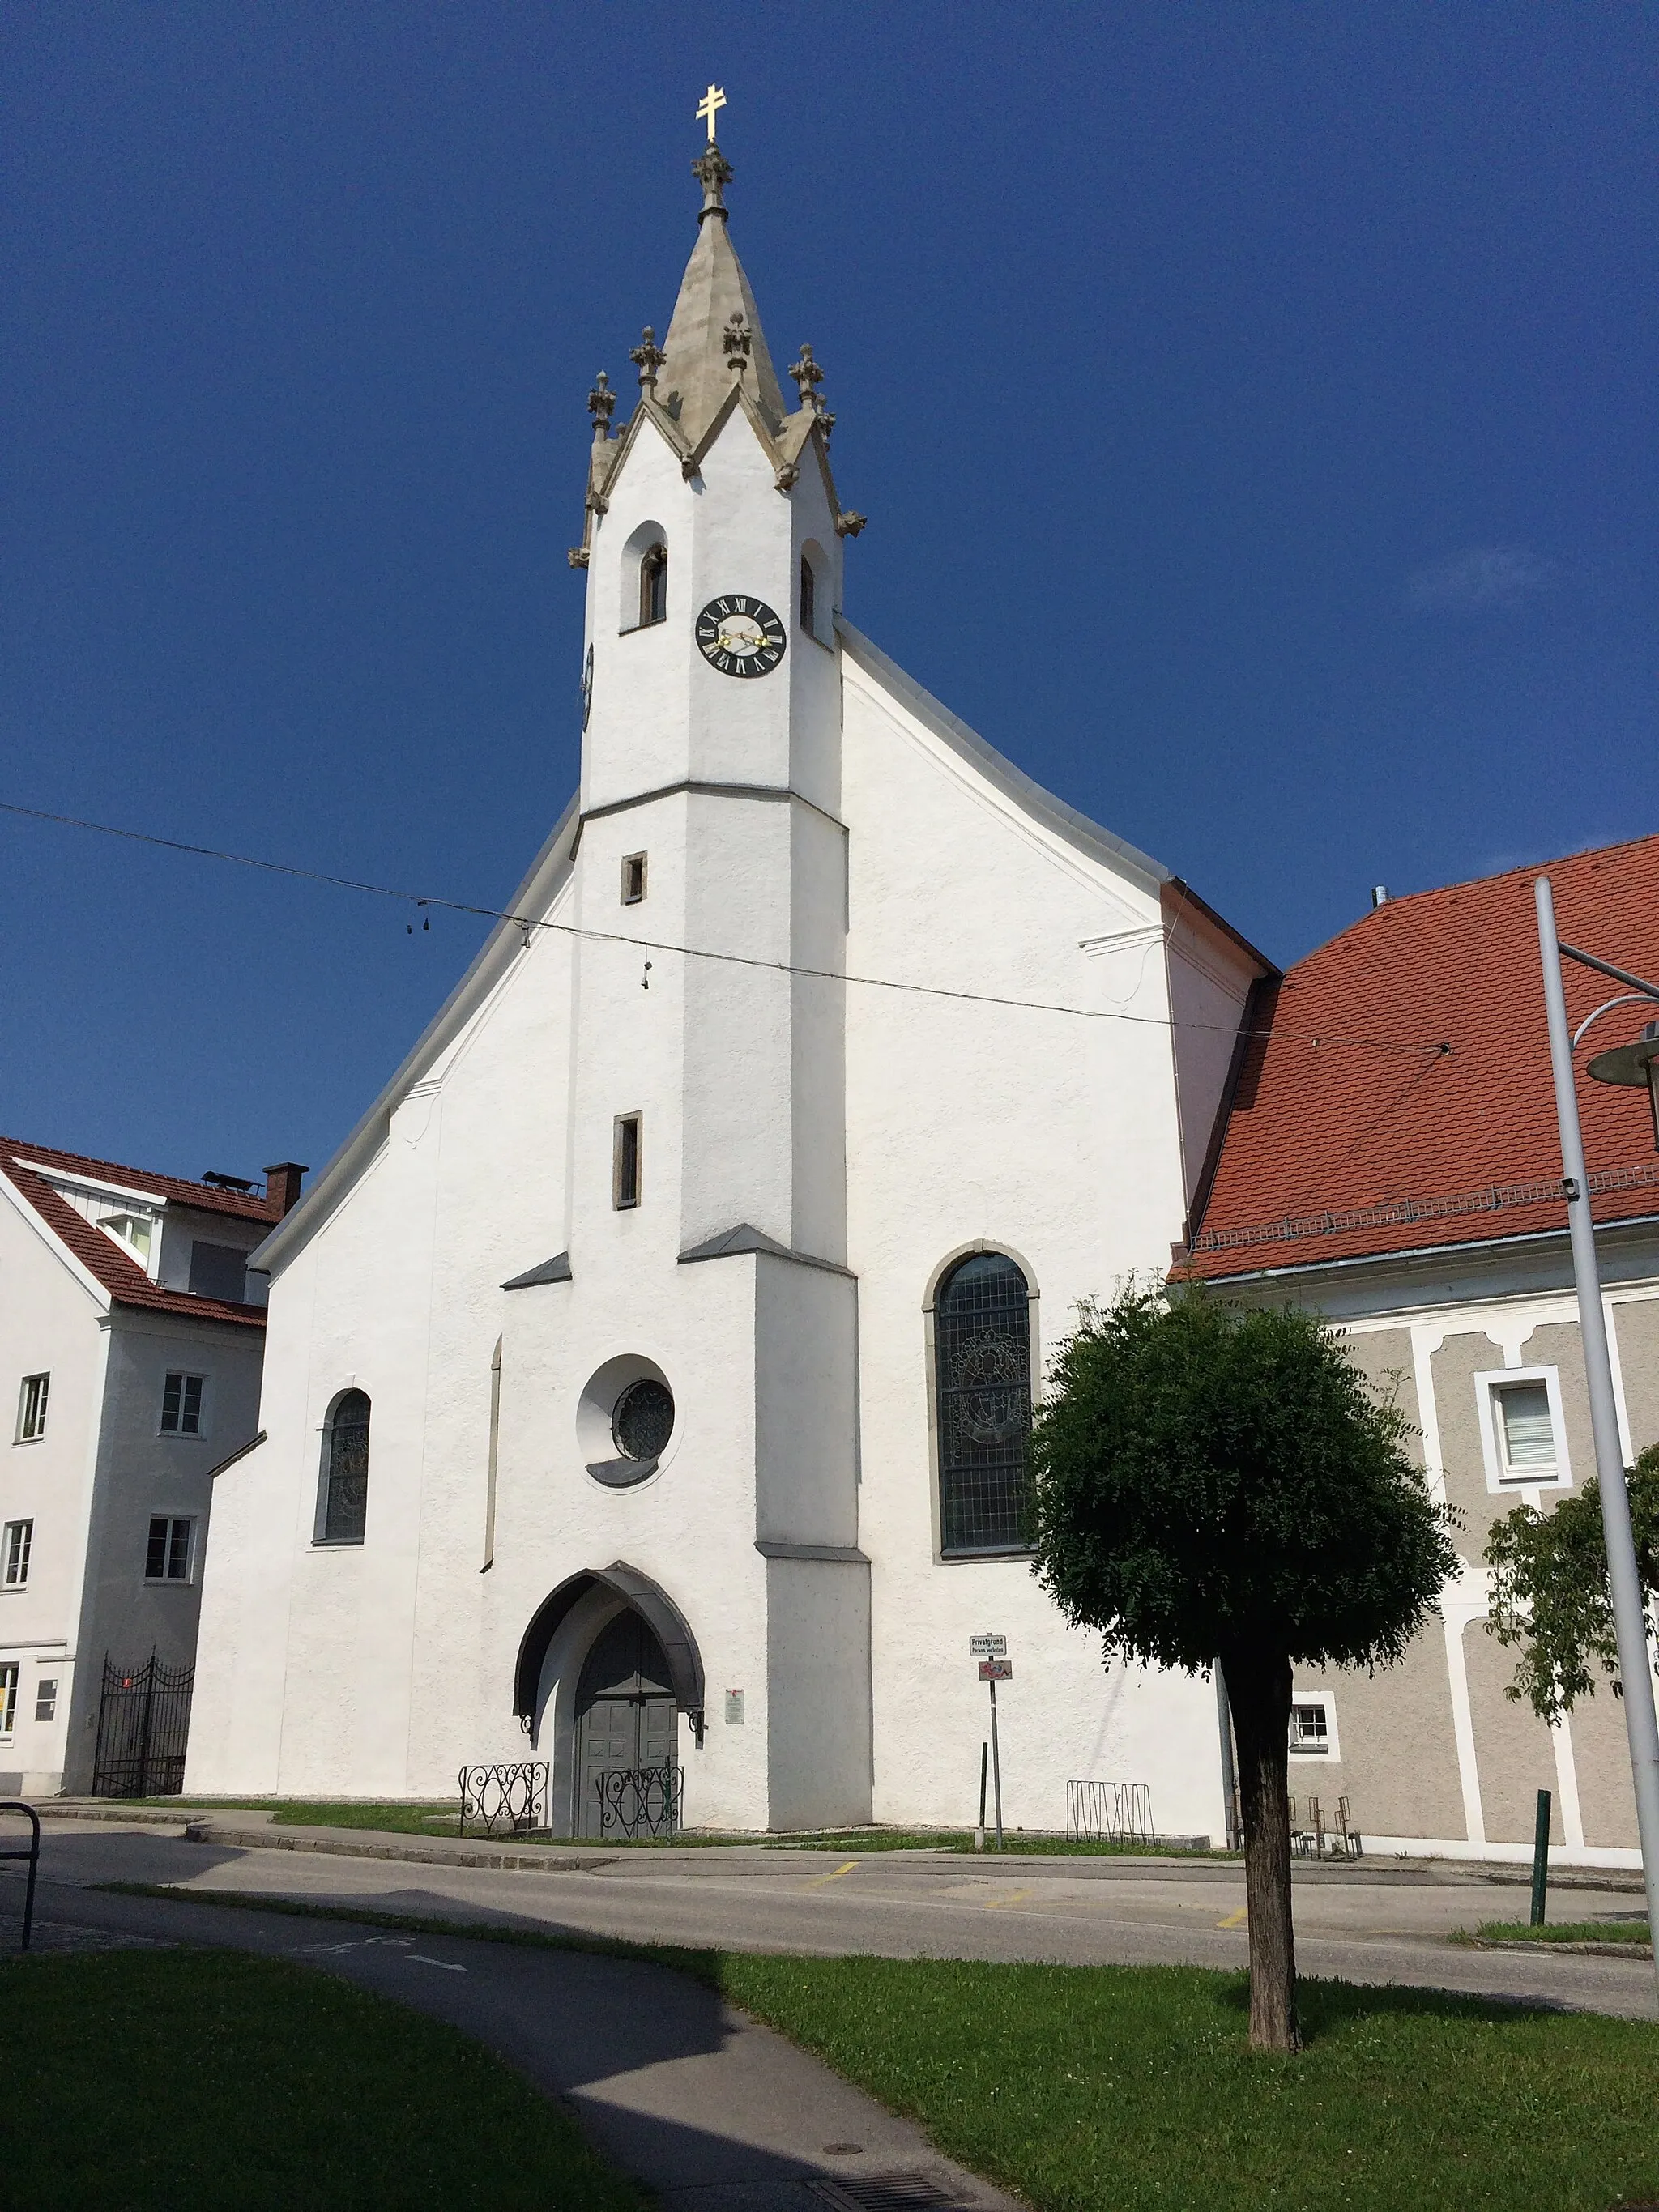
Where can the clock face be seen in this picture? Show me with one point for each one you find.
(740, 635)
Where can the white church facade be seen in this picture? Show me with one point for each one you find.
(646, 1376)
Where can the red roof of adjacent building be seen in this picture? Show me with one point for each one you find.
(117, 1271)
(1397, 1093)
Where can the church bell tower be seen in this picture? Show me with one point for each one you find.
(706, 1155)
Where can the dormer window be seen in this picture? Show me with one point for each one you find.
(653, 584)
(132, 1232)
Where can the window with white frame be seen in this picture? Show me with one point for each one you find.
(1313, 1725)
(181, 1405)
(45, 1697)
(8, 1700)
(32, 1407)
(1522, 1435)
(167, 1556)
(15, 1548)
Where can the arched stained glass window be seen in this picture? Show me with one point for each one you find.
(982, 1379)
(343, 1495)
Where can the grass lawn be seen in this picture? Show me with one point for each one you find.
(210, 2081)
(1131, 2089)
(1633, 1930)
(438, 1816)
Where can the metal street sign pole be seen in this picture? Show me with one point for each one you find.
(1629, 1611)
(996, 1761)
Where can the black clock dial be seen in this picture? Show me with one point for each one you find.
(740, 635)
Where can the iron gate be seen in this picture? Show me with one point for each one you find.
(144, 1722)
(640, 1800)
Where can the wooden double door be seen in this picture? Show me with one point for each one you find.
(626, 1722)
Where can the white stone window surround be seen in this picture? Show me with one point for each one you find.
(1331, 1750)
(9, 1674)
(1501, 1476)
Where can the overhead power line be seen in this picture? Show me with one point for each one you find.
(528, 923)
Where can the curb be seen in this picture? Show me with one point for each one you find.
(1577, 1950)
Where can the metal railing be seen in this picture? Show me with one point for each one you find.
(1315, 1834)
(1108, 1811)
(31, 1851)
(504, 1799)
(640, 1800)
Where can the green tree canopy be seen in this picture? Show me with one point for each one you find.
(1212, 1483)
(1207, 1476)
(1550, 1592)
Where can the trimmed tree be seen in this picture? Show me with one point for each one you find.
(1215, 1485)
(1550, 1592)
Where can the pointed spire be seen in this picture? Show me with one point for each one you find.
(714, 339)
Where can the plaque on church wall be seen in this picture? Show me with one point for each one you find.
(734, 1709)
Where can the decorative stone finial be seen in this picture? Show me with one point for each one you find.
(713, 172)
(601, 405)
(739, 340)
(808, 376)
(649, 358)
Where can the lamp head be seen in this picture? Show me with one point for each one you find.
(1636, 1066)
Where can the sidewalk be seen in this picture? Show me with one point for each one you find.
(247, 1830)
(711, 2111)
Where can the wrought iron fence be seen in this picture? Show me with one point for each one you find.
(504, 1799)
(1113, 1812)
(640, 1800)
(143, 1723)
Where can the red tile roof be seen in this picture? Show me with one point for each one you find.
(118, 1271)
(1398, 1095)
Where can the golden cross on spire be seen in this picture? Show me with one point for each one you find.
(708, 107)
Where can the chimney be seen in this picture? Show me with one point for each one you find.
(282, 1185)
(1379, 895)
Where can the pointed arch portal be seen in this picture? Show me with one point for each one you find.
(647, 1599)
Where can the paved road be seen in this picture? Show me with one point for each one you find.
(1370, 1923)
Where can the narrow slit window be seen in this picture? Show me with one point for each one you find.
(625, 1164)
(633, 878)
(653, 585)
(809, 595)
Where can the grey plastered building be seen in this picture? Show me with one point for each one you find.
(1390, 1158)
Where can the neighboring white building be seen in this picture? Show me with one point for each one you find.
(131, 1342)
(648, 1374)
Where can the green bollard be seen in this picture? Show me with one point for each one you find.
(1540, 1858)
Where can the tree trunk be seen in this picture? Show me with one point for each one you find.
(1259, 1691)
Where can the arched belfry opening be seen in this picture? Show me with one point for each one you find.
(607, 1667)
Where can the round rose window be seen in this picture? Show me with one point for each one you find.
(644, 1419)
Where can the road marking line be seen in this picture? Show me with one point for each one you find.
(1234, 1919)
(819, 1880)
(447, 1966)
(995, 1903)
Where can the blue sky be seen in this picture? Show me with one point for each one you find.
(1252, 406)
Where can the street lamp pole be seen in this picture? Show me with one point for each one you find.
(1629, 1606)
